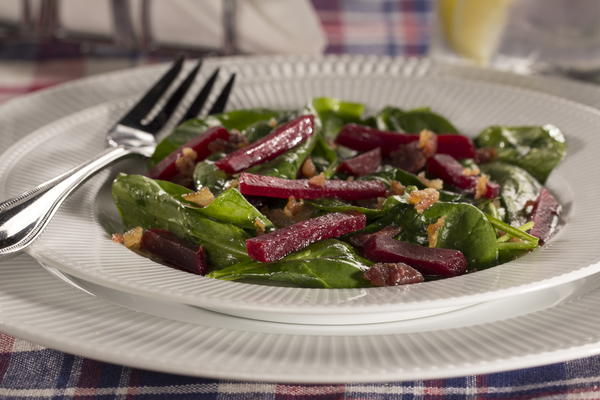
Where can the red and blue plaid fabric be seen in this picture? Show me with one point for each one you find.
(29, 371)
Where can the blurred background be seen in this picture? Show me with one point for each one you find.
(45, 42)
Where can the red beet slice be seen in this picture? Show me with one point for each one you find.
(457, 146)
(276, 245)
(270, 186)
(364, 138)
(392, 274)
(450, 171)
(407, 157)
(363, 164)
(181, 253)
(275, 143)
(545, 215)
(429, 261)
(360, 239)
(166, 168)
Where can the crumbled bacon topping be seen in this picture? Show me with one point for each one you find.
(485, 155)
(423, 199)
(471, 171)
(117, 238)
(317, 180)
(350, 178)
(433, 231)
(260, 225)
(272, 123)
(186, 161)
(132, 239)
(437, 184)
(481, 186)
(203, 197)
(397, 188)
(392, 274)
(308, 168)
(293, 206)
(427, 143)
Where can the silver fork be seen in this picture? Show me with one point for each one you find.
(23, 218)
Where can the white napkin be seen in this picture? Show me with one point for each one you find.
(262, 26)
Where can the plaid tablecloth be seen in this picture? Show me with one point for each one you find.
(29, 371)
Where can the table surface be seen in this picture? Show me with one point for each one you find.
(29, 371)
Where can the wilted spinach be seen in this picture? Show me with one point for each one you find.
(537, 149)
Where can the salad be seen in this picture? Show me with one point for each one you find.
(331, 197)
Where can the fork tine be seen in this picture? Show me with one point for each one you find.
(221, 102)
(145, 104)
(163, 115)
(194, 109)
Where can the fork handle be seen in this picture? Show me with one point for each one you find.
(24, 217)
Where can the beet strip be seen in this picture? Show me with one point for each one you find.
(429, 261)
(363, 164)
(166, 169)
(451, 171)
(269, 186)
(275, 143)
(181, 253)
(545, 215)
(457, 146)
(276, 245)
(364, 138)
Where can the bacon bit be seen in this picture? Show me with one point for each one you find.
(397, 188)
(308, 168)
(392, 274)
(203, 197)
(272, 123)
(117, 238)
(427, 143)
(471, 171)
(481, 186)
(260, 225)
(317, 180)
(485, 155)
(237, 140)
(437, 184)
(433, 230)
(423, 199)
(232, 184)
(132, 239)
(186, 161)
(293, 207)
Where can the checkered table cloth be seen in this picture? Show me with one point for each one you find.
(29, 371)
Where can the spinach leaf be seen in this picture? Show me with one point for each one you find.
(207, 174)
(467, 229)
(413, 121)
(326, 264)
(334, 113)
(335, 205)
(144, 202)
(537, 149)
(231, 207)
(237, 119)
(289, 163)
(517, 188)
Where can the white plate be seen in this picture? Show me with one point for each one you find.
(76, 243)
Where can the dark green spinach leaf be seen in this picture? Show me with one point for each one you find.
(326, 264)
(517, 188)
(207, 174)
(144, 202)
(537, 149)
(413, 121)
(335, 205)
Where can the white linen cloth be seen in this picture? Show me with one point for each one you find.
(262, 26)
